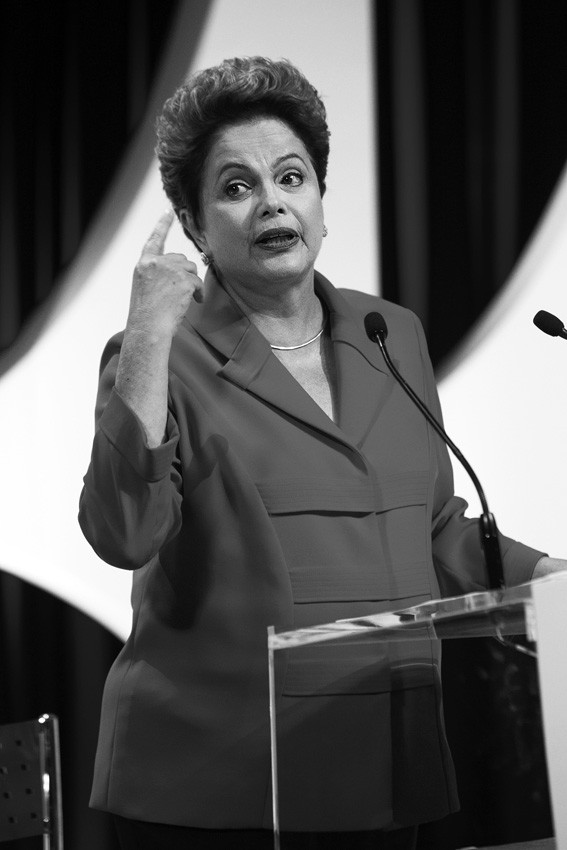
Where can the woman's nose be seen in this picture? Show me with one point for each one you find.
(271, 201)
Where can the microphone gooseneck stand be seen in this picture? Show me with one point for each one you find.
(377, 331)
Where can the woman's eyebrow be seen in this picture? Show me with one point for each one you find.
(291, 155)
(232, 164)
(235, 163)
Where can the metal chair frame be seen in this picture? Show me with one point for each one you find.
(30, 781)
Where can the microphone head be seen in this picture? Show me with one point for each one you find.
(375, 325)
(548, 323)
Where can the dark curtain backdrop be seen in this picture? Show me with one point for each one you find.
(75, 80)
(472, 141)
(75, 76)
(473, 136)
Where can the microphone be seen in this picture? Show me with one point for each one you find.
(377, 332)
(549, 324)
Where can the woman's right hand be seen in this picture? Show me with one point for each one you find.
(162, 285)
(162, 289)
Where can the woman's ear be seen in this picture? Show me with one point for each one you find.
(191, 229)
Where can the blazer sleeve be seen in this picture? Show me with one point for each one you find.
(458, 557)
(130, 505)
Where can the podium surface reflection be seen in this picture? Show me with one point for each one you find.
(343, 660)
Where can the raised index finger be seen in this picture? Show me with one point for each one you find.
(156, 239)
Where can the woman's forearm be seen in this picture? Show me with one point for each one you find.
(142, 379)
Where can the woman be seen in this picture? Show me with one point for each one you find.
(255, 464)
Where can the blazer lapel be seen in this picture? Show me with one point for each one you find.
(250, 362)
(364, 382)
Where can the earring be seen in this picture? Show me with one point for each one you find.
(206, 259)
(325, 231)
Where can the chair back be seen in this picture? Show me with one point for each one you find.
(30, 781)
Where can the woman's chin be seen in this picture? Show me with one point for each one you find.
(285, 263)
(284, 267)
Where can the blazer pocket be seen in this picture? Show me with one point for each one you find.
(367, 666)
(337, 670)
(343, 494)
(393, 558)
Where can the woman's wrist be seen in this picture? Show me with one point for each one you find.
(546, 566)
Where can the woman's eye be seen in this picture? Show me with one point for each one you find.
(236, 189)
(292, 178)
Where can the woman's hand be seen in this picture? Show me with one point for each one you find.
(546, 566)
(162, 289)
(162, 286)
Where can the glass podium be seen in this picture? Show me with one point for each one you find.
(328, 682)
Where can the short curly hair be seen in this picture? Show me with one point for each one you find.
(237, 90)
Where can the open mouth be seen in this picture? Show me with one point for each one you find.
(277, 238)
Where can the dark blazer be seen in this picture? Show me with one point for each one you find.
(259, 510)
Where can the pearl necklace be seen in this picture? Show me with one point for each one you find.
(301, 344)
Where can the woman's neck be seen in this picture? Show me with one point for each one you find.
(285, 316)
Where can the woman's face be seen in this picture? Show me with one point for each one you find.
(262, 215)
